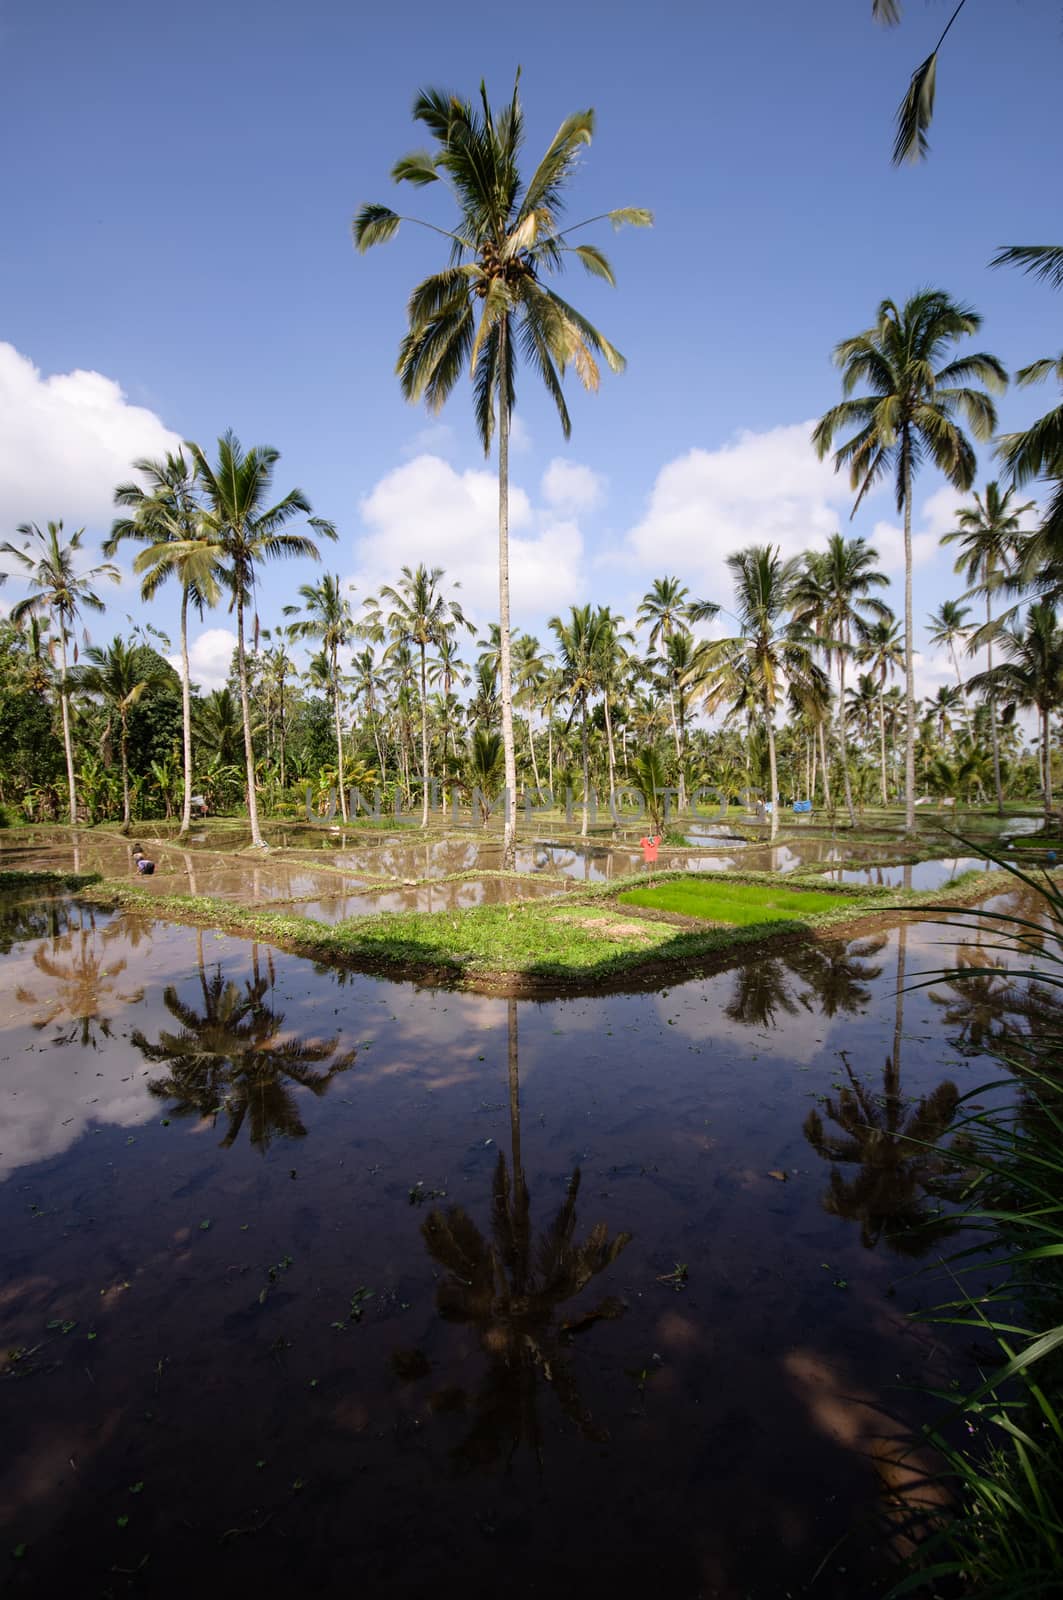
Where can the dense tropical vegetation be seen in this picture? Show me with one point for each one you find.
(785, 687)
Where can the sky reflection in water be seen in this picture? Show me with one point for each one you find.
(385, 1278)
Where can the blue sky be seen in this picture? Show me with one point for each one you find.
(178, 195)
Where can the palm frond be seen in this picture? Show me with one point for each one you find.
(547, 182)
(418, 168)
(630, 217)
(595, 262)
(1044, 261)
(372, 225)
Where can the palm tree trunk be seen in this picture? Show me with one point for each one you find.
(826, 768)
(514, 1094)
(339, 736)
(1046, 759)
(534, 762)
(681, 740)
(773, 772)
(675, 725)
(245, 711)
(842, 738)
(123, 748)
(959, 678)
(424, 738)
(882, 745)
(909, 650)
(813, 753)
(898, 1016)
(509, 837)
(67, 744)
(994, 733)
(186, 720)
(374, 723)
(586, 765)
(610, 746)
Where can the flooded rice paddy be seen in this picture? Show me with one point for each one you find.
(913, 875)
(320, 1282)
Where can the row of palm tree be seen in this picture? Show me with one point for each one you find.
(918, 395)
(799, 628)
(208, 526)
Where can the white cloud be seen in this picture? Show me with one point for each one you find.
(887, 538)
(209, 658)
(759, 488)
(436, 439)
(939, 513)
(931, 670)
(428, 511)
(65, 441)
(571, 487)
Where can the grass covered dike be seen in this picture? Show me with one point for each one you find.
(579, 942)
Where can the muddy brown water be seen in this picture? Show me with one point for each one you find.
(314, 1282)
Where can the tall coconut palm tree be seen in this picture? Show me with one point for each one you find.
(681, 663)
(369, 683)
(882, 652)
(530, 666)
(810, 697)
(941, 707)
(58, 591)
(166, 516)
(666, 609)
(485, 766)
(249, 531)
(490, 303)
(908, 416)
(579, 641)
(833, 598)
(1031, 675)
(614, 641)
(444, 671)
(420, 615)
(277, 668)
(756, 663)
(990, 537)
(121, 675)
(216, 724)
(328, 617)
(947, 625)
(1037, 452)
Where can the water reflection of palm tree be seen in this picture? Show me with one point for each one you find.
(835, 973)
(985, 1004)
(234, 1054)
(509, 1288)
(901, 1178)
(23, 920)
(85, 981)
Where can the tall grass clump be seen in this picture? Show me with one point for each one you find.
(1002, 1536)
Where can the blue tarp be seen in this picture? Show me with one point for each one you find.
(802, 805)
